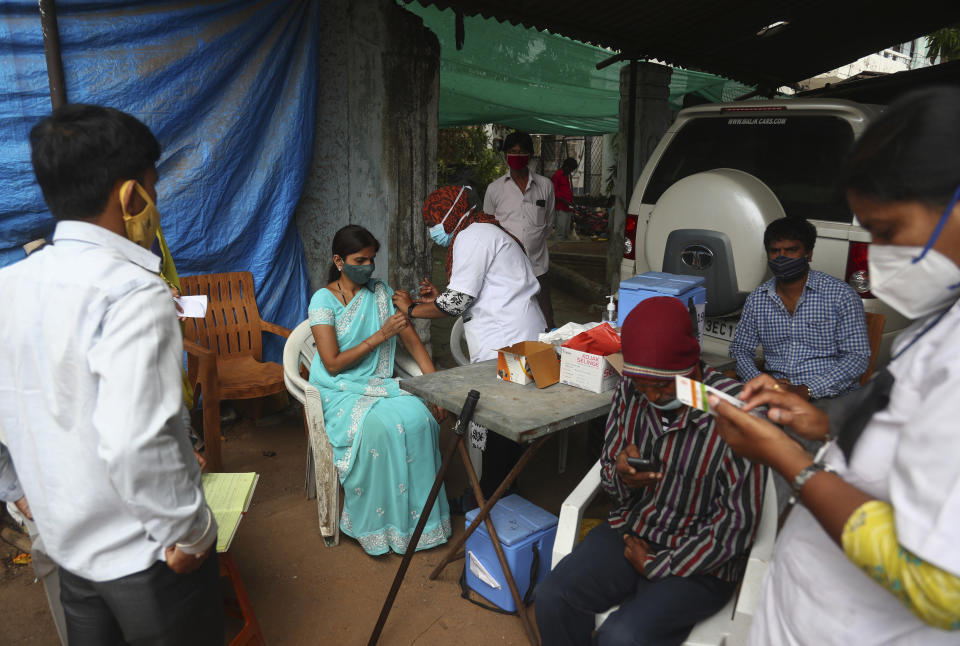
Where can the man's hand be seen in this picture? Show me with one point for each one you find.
(636, 550)
(202, 461)
(183, 563)
(24, 507)
(630, 476)
(764, 381)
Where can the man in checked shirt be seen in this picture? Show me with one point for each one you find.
(673, 548)
(810, 324)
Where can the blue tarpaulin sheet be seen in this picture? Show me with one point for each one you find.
(229, 90)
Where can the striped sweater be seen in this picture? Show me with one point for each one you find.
(706, 508)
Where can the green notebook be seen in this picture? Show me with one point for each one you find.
(228, 495)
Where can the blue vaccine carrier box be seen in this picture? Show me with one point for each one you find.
(658, 283)
(523, 528)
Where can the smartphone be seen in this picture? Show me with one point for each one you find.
(642, 464)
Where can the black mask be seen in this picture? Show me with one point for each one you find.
(788, 269)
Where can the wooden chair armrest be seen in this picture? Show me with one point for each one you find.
(201, 367)
(279, 330)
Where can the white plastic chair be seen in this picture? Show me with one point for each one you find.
(322, 480)
(730, 625)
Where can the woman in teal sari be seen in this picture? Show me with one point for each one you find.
(384, 439)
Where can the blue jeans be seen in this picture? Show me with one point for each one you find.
(596, 576)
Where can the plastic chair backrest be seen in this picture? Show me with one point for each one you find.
(456, 339)
(232, 326)
(298, 350)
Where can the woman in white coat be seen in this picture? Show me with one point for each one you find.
(872, 555)
(491, 284)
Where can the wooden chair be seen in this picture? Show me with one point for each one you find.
(875, 323)
(239, 606)
(224, 349)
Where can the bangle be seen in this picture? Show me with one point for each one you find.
(410, 310)
(807, 473)
(370, 345)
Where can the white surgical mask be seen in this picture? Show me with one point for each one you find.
(915, 281)
(437, 232)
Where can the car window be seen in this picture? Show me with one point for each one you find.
(798, 157)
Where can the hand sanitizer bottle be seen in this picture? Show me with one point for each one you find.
(610, 315)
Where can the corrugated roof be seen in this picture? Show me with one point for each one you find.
(721, 36)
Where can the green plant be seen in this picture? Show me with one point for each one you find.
(944, 43)
(465, 154)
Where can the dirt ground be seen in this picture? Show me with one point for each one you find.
(306, 593)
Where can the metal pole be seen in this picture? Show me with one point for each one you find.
(631, 128)
(51, 47)
(463, 423)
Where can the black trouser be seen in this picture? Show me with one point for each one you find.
(499, 457)
(155, 607)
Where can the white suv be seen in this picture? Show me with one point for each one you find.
(721, 173)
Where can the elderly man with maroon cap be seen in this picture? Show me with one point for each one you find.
(674, 546)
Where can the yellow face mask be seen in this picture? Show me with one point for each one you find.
(141, 227)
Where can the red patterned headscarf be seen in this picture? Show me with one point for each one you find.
(445, 200)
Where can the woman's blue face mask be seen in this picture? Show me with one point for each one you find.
(437, 232)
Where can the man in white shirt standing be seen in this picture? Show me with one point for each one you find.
(90, 395)
(523, 202)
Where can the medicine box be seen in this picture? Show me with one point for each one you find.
(524, 529)
(528, 361)
(657, 283)
(588, 371)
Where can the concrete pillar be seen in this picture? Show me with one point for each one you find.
(644, 123)
(374, 152)
(609, 162)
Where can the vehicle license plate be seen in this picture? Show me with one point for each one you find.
(720, 327)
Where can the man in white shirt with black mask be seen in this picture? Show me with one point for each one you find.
(90, 395)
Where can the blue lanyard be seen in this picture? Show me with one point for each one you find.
(922, 332)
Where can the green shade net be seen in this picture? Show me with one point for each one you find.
(536, 81)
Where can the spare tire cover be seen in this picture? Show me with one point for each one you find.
(726, 200)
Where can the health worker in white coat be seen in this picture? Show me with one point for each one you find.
(490, 283)
(872, 555)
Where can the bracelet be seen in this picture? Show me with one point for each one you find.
(370, 345)
(807, 473)
(410, 310)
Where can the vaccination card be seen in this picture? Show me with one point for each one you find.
(694, 394)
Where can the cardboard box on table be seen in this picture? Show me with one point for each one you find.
(528, 361)
(526, 534)
(589, 371)
(689, 289)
